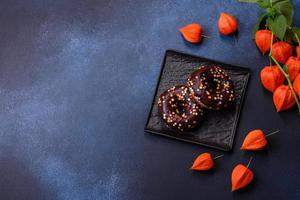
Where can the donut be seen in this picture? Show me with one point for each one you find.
(212, 88)
(178, 108)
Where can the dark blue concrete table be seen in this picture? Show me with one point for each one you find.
(76, 83)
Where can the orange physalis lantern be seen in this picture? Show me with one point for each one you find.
(296, 85)
(241, 176)
(283, 98)
(281, 51)
(227, 24)
(203, 162)
(271, 77)
(298, 51)
(192, 33)
(263, 40)
(256, 140)
(293, 64)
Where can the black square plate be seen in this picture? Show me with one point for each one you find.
(219, 127)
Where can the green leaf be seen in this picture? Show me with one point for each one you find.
(277, 1)
(278, 26)
(248, 1)
(289, 36)
(272, 12)
(274, 2)
(285, 8)
(264, 4)
(269, 22)
(258, 23)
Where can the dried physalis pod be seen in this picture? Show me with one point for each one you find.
(281, 51)
(263, 40)
(271, 77)
(283, 98)
(293, 64)
(241, 176)
(192, 32)
(256, 140)
(227, 24)
(204, 162)
(296, 85)
(298, 51)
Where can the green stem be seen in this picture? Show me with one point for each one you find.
(218, 157)
(287, 76)
(278, 65)
(274, 132)
(271, 45)
(270, 61)
(270, 53)
(249, 162)
(205, 36)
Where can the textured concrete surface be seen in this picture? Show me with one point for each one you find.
(76, 81)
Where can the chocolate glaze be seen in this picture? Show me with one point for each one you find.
(212, 88)
(178, 108)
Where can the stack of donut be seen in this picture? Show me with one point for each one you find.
(182, 107)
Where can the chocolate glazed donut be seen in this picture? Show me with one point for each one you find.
(178, 109)
(212, 88)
